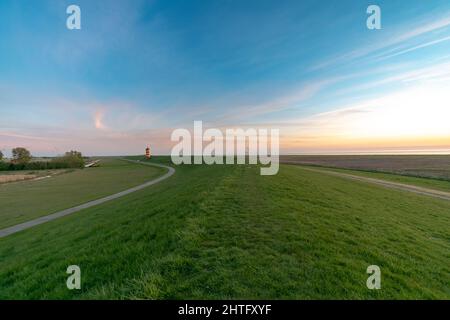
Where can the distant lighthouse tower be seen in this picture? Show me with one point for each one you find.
(147, 153)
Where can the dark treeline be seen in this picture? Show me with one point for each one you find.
(38, 165)
(22, 161)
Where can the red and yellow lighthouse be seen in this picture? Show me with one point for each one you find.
(147, 153)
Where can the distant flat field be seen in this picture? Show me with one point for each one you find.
(429, 166)
(26, 200)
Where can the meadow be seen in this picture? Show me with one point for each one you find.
(212, 232)
(23, 201)
(424, 166)
(436, 184)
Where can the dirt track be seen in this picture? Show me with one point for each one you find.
(388, 184)
(29, 224)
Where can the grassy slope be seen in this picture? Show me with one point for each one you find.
(227, 232)
(23, 201)
(39, 173)
(429, 166)
(442, 185)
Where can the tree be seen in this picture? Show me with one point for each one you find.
(21, 155)
(73, 153)
(71, 159)
(1, 155)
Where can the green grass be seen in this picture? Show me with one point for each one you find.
(23, 201)
(227, 232)
(35, 172)
(437, 184)
(422, 166)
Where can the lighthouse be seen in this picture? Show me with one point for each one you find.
(147, 153)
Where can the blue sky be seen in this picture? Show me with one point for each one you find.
(138, 69)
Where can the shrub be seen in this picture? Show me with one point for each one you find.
(71, 159)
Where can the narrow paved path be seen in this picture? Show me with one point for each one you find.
(388, 184)
(29, 224)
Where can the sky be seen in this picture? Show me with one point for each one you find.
(138, 69)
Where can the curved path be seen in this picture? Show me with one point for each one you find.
(29, 224)
(387, 184)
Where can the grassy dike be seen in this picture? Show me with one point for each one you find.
(227, 232)
(23, 201)
(436, 184)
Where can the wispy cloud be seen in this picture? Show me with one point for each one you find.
(98, 120)
(424, 45)
(434, 72)
(409, 32)
(293, 99)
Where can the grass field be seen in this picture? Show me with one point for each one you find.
(227, 232)
(436, 184)
(23, 201)
(427, 166)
